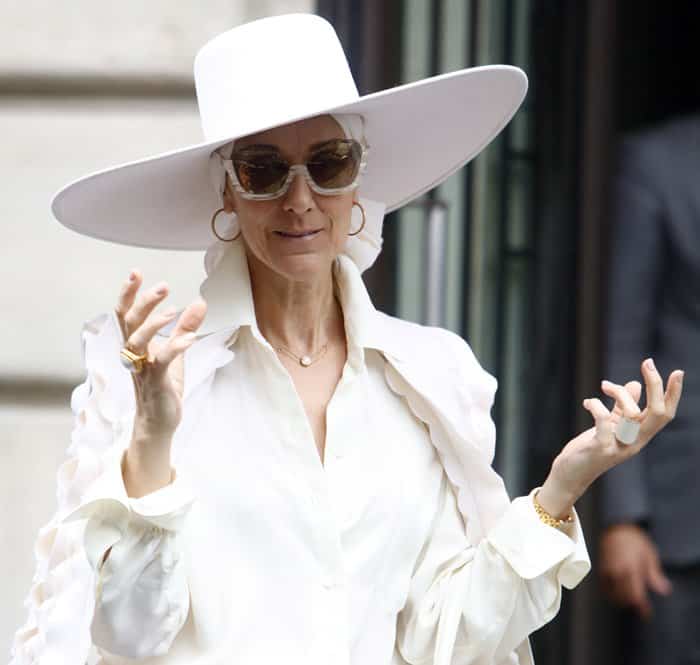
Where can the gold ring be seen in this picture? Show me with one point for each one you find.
(132, 361)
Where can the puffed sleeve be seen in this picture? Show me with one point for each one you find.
(141, 590)
(497, 592)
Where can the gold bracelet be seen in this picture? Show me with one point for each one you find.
(547, 518)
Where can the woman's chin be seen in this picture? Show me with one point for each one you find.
(304, 267)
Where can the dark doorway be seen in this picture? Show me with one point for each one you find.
(657, 61)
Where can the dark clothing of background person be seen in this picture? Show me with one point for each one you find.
(654, 311)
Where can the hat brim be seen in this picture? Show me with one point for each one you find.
(419, 134)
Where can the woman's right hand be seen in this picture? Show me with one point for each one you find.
(159, 386)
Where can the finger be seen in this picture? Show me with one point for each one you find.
(655, 389)
(634, 388)
(673, 393)
(614, 590)
(625, 404)
(126, 297)
(596, 408)
(184, 333)
(139, 339)
(174, 348)
(190, 319)
(144, 305)
(656, 578)
(601, 415)
(623, 595)
(643, 608)
(660, 414)
(638, 597)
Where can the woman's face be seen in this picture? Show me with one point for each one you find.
(269, 227)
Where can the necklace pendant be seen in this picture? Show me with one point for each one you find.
(305, 361)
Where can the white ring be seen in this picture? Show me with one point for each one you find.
(126, 363)
(627, 431)
(134, 364)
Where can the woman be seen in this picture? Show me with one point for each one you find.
(292, 476)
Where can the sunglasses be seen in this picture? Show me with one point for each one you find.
(259, 172)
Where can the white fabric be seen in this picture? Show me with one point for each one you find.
(353, 125)
(419, 133)
(234, 548)
(242, 74)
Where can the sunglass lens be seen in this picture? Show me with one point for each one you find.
(260, 174)
(335, 164)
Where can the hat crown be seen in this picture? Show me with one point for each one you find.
(270, 72)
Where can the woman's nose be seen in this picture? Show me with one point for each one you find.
(299, 197)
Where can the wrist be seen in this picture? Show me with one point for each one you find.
(150, 436)
(557, 502)
(146, 468)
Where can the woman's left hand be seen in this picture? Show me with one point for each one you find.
(596, 450)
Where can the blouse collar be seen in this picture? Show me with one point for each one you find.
(229, 296)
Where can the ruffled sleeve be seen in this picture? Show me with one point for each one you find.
(93, 510)
(141, 591)
(497, 592)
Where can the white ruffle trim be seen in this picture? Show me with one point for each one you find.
(469, 390)
(61, 600)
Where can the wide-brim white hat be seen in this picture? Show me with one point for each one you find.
(278, 70)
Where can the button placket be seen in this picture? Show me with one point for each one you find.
(333, 580)
(335, 449)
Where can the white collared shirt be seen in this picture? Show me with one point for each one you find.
(259, 553)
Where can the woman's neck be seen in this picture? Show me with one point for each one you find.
(301, 316)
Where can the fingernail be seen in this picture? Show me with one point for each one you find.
(650, 364)
(605, 383)
(132, 276)
(682, 375)
(161, 290)
(190, 336)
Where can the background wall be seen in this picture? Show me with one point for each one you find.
(83, 86)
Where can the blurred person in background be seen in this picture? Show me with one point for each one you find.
(650, 545)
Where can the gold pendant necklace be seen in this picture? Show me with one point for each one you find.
(305, 361)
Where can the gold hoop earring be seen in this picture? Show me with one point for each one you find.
(364, 218)
(213, 228)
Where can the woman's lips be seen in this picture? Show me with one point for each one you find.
(298, 235)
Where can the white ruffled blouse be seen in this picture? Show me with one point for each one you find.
(259, 551)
